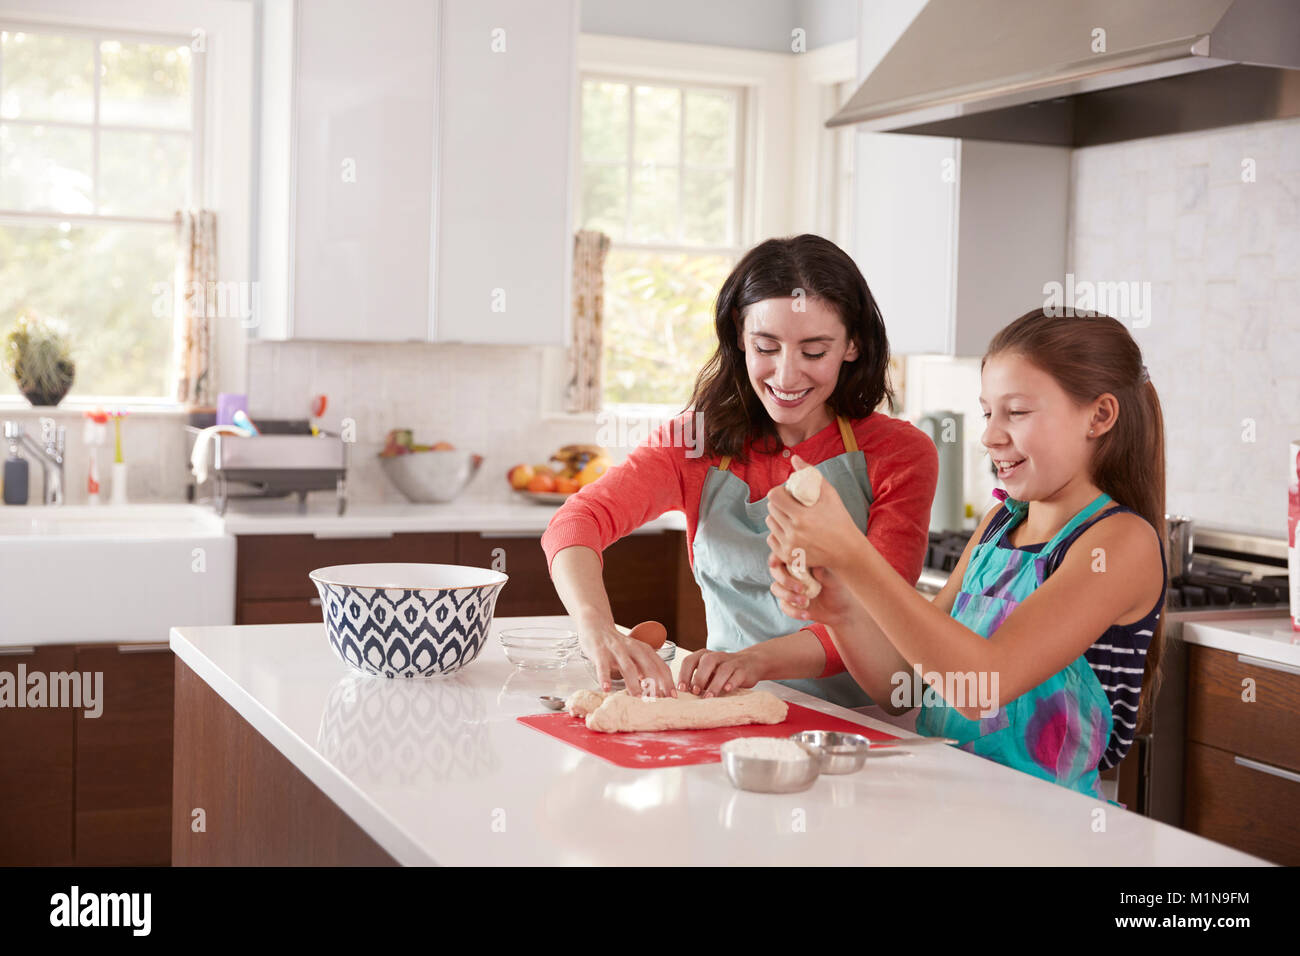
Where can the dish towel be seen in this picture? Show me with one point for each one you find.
(201, 456)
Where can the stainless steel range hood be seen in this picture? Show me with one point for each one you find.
(1038, 71)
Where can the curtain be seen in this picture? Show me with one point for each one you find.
(195, 292)
(585, 350)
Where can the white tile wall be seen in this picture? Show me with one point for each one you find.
(1222, 255)
(1223, 345)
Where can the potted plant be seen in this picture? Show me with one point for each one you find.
(38, 354)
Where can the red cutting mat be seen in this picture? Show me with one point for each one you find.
(680, 748)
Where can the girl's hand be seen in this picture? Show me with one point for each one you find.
(834, 604)
(713, 673)
(825, 531)
(613, 654)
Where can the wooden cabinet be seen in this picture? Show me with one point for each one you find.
(271, 570)
(124, 758)
(89, 790)
(36, 769)
(955, 237)
(1242, 774)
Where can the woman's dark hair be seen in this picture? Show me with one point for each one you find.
(727, 409)
(1089, 356)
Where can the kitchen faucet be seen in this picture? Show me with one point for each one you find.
(50, 456)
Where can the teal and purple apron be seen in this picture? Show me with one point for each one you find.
(731, 563)
(1059, 729)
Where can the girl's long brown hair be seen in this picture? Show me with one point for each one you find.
(727, 409)
(1088, 356)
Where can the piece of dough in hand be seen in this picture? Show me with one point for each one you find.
(620, 712)
(805, 486)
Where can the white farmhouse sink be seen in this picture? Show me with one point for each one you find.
(105, 574)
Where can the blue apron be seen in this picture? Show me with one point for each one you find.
(1057, 730)
(731, 563)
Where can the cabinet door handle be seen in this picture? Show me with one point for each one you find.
(1268, 665)
(314, 602)
(536, 535)
(1266, 768)
(17, 650)
(352, 534)
(143, 648)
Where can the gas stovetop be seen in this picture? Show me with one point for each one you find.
(1228, 570)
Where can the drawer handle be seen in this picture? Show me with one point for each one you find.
(352, 534)
(535, 535)
(1268, 665)
(314, 602)
(143, 648)
(1266, 768)
(15, 651)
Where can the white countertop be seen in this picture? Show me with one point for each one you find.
(441, 772)
(1268, 638)
(489, 515)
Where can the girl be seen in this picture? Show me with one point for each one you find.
(1052, 607)
(800, 366)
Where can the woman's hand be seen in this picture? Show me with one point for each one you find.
(614, 654)
(825, 531)
(708, 673)
(834, 604)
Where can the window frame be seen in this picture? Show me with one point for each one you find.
(197, 174)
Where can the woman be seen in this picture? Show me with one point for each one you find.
(800, 367)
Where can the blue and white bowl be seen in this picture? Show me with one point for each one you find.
(407, 620)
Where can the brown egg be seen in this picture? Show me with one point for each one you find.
(650, 632)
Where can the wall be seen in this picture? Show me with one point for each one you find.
(747, 24)
(1223, 260)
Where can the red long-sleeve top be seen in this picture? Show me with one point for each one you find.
(657, 476)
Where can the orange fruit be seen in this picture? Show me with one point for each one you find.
(542, 483)
(592, 470)
(566, 485)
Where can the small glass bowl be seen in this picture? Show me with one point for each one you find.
(539, 648)
(666, 653)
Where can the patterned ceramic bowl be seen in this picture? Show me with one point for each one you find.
(407, 620)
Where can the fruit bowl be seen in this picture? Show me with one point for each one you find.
(431, 477)
(546, 497)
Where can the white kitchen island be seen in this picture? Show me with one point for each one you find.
(440, 772)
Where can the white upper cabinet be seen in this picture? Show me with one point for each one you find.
(505, 243)
(956, 238)
(414, 170)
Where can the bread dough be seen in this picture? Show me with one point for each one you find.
(805, 486)
(619, 711)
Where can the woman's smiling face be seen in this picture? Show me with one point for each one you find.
(793, 357)
(1034, 426)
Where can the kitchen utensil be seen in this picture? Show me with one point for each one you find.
(682, 748)
(407, 620)
(667, 653)
(552, 703)
(538, 648)
(773, 776)
(1180, 544)
(430, 477)
(841, 752)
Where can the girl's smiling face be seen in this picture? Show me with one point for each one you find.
(1034, 432)
(793, 359)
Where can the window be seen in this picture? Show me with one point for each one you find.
(98, 135)
(662, 177)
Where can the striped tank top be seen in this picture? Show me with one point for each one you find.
(1118, 657)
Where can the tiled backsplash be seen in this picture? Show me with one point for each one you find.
(1222, 254)
(483, 399)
